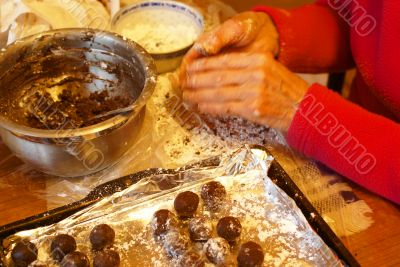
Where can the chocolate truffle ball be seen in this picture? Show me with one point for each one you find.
(102, 236)
(250, 255)
(217, 250)
(191, 259)
(229, 228)
(200, 229)
(213, 195)
(176, 243)
(24, 253)
(75, 259)
(162, 222)
(186, 204)
(106, 258)
(62, 245)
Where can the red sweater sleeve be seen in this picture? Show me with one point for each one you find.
(354, 142)
(313, 38)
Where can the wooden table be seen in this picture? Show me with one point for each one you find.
(377, 246)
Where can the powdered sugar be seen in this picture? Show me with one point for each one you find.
(217, 250)
(187, 136)
(159, 30)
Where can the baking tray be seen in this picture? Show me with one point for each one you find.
(276, 173)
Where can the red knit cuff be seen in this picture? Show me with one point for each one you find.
(302, 128)
(312, 38)
(352, 141)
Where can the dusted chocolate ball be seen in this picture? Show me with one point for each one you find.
(229, 228)
(217, 250)
(186, 204)
(191, 259)
(62, 245)
(200, 229)
(24, 253)
(102, 236)
(250, 255)
(75, 259)
(106, 258)
(176, 243)
(213, 195)
(162, 222)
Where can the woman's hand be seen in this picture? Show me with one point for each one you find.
(245, 32)
(253, 86)
(232, 71)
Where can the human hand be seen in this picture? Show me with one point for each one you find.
(232, 71)
(251, 85)
(245, 32)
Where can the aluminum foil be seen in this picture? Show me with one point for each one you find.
(268, 216)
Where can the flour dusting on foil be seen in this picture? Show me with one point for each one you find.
(268, 216)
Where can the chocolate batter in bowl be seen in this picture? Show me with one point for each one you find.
(73, 100)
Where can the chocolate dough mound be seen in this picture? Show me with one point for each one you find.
(250, 255)
(186, 204)
(213, 195)
(62, 245)
(163, 221)
(75, 259)
(102, 236)
(24, 253)
(229, 228)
